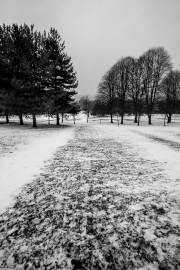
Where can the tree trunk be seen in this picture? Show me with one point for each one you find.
(7, 117)
(62, 117)
(169, 118)
(34, 120)
(117, 120)
(149, 119)
(164, 120)
(135, 118)
(48, 118)
(111, 118)
(138, 120)
(57, 119)
(74, 119)
(122, 118)
(21, 119)
(87, 117)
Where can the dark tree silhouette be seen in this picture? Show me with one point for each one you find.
(107, 92)
(121, 79)
(169, 94)
(36, 75)
(136, 90)
(156, 64)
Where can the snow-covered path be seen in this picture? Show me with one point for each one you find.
(23, 156)
(107, 200)
(159, 144)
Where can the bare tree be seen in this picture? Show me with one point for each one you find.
(121, 80)
(136, 90)
(170, 94)
(156, 64)
(106, 91)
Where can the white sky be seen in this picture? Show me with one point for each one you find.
(99, 32)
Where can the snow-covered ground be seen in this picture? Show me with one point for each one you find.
(23, 152)
(158, 143)
(108, 199)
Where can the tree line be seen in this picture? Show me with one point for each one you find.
(36, 75)
(143, 85)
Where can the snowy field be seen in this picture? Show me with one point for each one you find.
(23, 151)
(107, 198)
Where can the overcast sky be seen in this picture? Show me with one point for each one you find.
(99, 32)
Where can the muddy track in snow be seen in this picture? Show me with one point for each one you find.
(94, 207)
